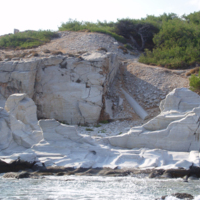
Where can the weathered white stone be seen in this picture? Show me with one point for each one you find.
(5, 132)
(89, 112)
(23, 120)
(58, 83)
(52, 60)
(67, 84)
(17, 77)
(61, 145)
(108, 108)
(181, 100)
(174, 129)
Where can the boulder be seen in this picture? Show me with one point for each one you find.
(23, 120)
(18, 124)
(177, 196)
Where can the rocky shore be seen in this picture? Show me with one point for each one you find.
(168, 141)
(23, 169)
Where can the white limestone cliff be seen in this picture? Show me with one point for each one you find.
(65, 88)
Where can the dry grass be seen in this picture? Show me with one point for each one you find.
(193, 71)
(82, 52)
(124, 49)
(8, 56)
(35, 54)
(71, 55)
(47, 51)
(57, 53)
(102, 49)
(134, 53)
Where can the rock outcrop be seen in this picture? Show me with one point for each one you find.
(19, 127)
(52, 144)
(68, 88)
(176, 128)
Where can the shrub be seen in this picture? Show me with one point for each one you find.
(27, 39)
(177, 45)
(97, 126)
(104, 122)
(89, 129)
(137, 31)
(195, 82)
(193, 71)
(102, 131)
(128, 46)
(101, 27)
(123, 49)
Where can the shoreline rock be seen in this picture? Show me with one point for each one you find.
(178, 195)
(32, 170)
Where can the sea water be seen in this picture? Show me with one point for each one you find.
(95, 187)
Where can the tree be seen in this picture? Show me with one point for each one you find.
(138, 32)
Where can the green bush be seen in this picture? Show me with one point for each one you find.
(104, 122)
(177, 45)
(89, 129)
(101, 27)
(27, 39)
(128, 46)
(195, 82)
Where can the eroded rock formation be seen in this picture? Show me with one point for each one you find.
(55, 144)
(176, 128)
(66, 88)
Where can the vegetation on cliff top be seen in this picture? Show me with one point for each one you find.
(167, 40)
(27, 39)
(177, 45)
(195, 82)
(138, 33)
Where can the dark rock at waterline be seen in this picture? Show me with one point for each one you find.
(183, 196)
(179, 196)
(61, 174)
(15, 166)
(193, 171)
(156, 173)
(60, 171)
(19, 175)
(175, 173)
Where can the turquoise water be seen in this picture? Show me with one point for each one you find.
(86, 187)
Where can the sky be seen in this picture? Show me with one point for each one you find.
(43, 14)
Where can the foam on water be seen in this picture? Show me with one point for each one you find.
(85, 187)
